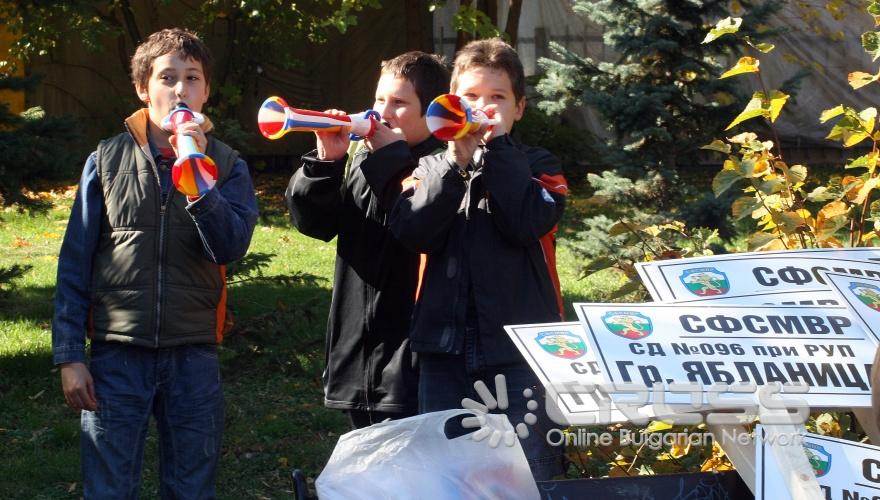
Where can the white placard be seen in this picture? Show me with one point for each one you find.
(565, 362)
(718, 345)
(824, 297)
(862, 296)
(744, 274)
(846, 470)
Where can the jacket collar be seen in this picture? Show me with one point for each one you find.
(138, 125)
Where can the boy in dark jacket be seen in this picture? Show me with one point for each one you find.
(370, 371)
(484, 212)
(141, 269)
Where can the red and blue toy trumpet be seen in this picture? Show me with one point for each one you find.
(276, 118)
(194, 173)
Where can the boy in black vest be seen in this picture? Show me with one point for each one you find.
(141, 270)
(370, 371)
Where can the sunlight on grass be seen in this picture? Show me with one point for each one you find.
(271, 362)
(24, 337)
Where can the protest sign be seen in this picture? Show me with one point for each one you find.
(824, 297)
(845, 470)
(862, 296)
(705, 350)
(744, 274)
(566, 365)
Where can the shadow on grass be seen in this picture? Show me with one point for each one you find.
(271, 365)
(32, 303)
(277, 326)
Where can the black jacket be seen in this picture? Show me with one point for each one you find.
(482, 231)
(368, 360)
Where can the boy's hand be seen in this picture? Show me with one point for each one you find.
(193, 130)
(332, 145)
(462, 151)
(493, 131)
(383, 136)
(78, 387)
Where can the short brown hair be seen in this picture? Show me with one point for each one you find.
(493, 53)
(427, 73)
(180, 41)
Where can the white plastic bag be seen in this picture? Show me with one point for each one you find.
(413, 459)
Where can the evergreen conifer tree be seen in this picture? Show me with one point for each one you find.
(660, 99)
(32, 145)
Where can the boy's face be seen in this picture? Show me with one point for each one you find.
(174, 80)
(481, 86)
(398, 105)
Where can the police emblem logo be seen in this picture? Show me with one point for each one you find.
(562, 344)
(705, 281)
(868, 294)
(819, 459)
(629, 325)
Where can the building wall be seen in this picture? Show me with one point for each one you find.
(342, 73)
(12, 98)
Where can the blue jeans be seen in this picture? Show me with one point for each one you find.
(180, 387)
(444, 380)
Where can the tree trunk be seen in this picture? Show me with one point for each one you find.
(461, 37)
(490, 7)
(419, 26)
(512, 27)
(130, 23)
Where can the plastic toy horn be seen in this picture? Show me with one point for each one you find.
(449, 118)
(194, 173)
(277, 118)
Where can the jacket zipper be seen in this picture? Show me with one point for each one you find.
(464, 264)
(369, 355)
(160, 270)
(367, 348)
(160, 267)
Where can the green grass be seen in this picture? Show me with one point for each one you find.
(271, 365)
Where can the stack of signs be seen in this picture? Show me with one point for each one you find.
(845, 470)
(725, 324)
(743, 320)
(770, 334)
